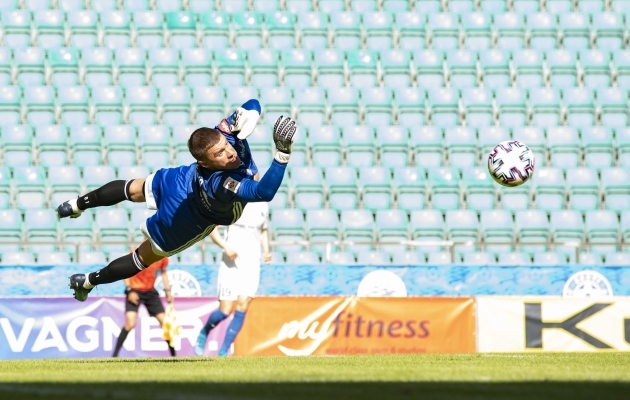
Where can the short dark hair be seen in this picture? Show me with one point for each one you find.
(201, 140)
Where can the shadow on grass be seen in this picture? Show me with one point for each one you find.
(314, 390)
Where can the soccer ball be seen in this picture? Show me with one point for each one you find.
(511, 163)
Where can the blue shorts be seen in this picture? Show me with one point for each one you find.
(177, 224)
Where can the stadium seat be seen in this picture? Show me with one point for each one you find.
(444, 106)
(181, 134)
(549, 259)
(141, 105)
(583, 186)
(477, 103)
(175, 106)
(428, 6)
(17, 258)
(408, 258)
(29, 63)
(296, 68)
(461, 146)
(108, 105)
(479, 259)
(65, 183)
(121, 146)
(444, 30)
(5, 66)
(42, 227)
(545, 107)
(562, 67)
(549, 187)
(622, 136)
(97, 65)
(16, 25)
(596, 71)
(477, 31)
(441, 258)
(616, 188)
(427, 146)
(528, 65)
(396, 68)
(313, 29)
(357, 225)
(345, 29)
(514, 259)
(597, 143)
(495, 68)
(410, 106)
(64, 64)
(17, 145)
(342, 258)
(510, 28)
(330, 68)
(543, 34)
(164, 64)
(511, 106)
(52, 145)
(281, 29)
(5, 188)
(182, 29)
(92, 258)
(303, 258)
(209, 103)
(392, 227)
(113, 226)
(490, 136)
(132, 68)
(429, 66)
(40, 105)
(362, 64)
(462, 68)
(617, 259)
(535, 139)
(563, 144)
(427, 226)
(575, 31)
(322, 226)
(393, 146)
(613, 106)
(376, 188)
(360, 146)
(190, 256)
(263, 64)
(479, 190)
(83, 26)
(343, 192)
(116, 27)
(230, 66)
(325, 145)
(621, 60)
(30, 185)
(85, 141)
(308, 186)
(343, 104)
(411, 30)
(215, 30)
(136, 5)
(277, 102)
(288, 226)
(10, 230)
(374, 258)
(97, 176)
(311, 106)
(444, 184)
(608, 30)
(10, 110)
(602, 226)
(379, 30)
(566, 227)
(497, 226)
(155, 145)
(462, 226)
(299, 6)
(149, 33)
(53, 258)
(197, 65)
(377, 106)
(532, 226)
(74, 105)
(578, 102)
(411, 192)
(249, 28)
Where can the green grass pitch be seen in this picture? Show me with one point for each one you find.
(473, 376)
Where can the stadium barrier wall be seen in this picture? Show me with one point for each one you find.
(342, 280)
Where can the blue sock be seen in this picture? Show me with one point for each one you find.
(232, 331)
(213, 320)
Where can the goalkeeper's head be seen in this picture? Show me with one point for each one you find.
(212, 150)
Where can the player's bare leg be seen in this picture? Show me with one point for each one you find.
(109, 194)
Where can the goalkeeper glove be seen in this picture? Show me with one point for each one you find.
(243, 121)
(283, 132)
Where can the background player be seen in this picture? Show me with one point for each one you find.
(239, 271)
(190, 200)
(140, 289)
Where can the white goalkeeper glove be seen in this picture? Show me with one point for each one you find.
(243, 122)
(283, 136)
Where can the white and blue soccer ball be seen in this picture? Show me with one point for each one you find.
(511, 163)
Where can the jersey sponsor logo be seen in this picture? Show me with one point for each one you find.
(231, 184)
(382, 283)
(225, 127)
(183, 284)
(587, 284)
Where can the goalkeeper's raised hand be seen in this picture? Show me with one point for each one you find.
(283, 133)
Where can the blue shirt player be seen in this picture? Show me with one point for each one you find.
(190, 200)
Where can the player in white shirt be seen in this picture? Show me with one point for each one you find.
(244, 244)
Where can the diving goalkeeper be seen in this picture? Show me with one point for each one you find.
(190, 200)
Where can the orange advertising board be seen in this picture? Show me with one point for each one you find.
(300, 326)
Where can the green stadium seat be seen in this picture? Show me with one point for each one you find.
(562, 68)
(616, 188)
(583, 186)
(596, 68)
(428, 6)
(590, 259)
(277, 102)
(477, 103)
(296, 68)
(620, 6)
(462, 68)
(625, 224)
(393, 146)
(479, 259)
(566, 226)
(65, 183)
(359, 145)
(92, 258)
(444, 184)
(288, 225)
(578, 102)
(113, 226)
(427, 225)
(343, 191)
(357, 225)
(322, 225)
(480, 192)
(379, 28)
(98, 66)
(608, 29)
(363, 67)
(514, 259)
(86, 144)
(263, 64)
(528, 65)
(495, 68)
(392, 226)
(380, 258)
(493, 6)
(441, 258)
(209, 104)
(461, 146)
(120, 142)
(411, 192)
(396, 68)
(9, 5)
(511, 106)
(410, 106)
(563, 144)
(515, 198)
(510, 28)
(344, 106)
(532, 226)
(237, 96)
(197, 64)
(49, 26)
(461, 6)
(559, 6)
(5, 66)
(10, 110)
(411, 30)
(477, 32)
(429, 68)
(40, 105)
(149, 25)
(249, 28)
(597, 143)
(155, 145)
(10, 230)
(526, 6)
(132, 67)
(332, 6)
(17, 258)
(52, 145)
(76, 230)
(376, 188)
(142, 105)
(234, 6)
(408, 258)
(613, 106)
(543, 33)
(444, 106)
(30, 185)
(108, 105)
(281, 29)
(53, 258)
(164, 64)
(377, 106)
(267, 6)
(175, 105)
(116, 27)
(330, 68)
(590, 6)
(95, 176)
(490, 136)
(215, 30)
(545, 107)
(549, 187)
(5, 188)
(545, 259)
(299, 6)
(42, 227)
(444, 30)
(182, 29)
(575, 31)
(497, 226)
(83, 26)
(313, 29)
(311, 106)
(16, 25)
(74, 105)
(364, 6)
(230, 67)
(622, 136)
(260, 146)
(17, 145)
(65, 67)
(136, 5)
(426, 143)
(308, 186)
(616, 259)
(132, 172)
(29, 63)
(342, 258)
